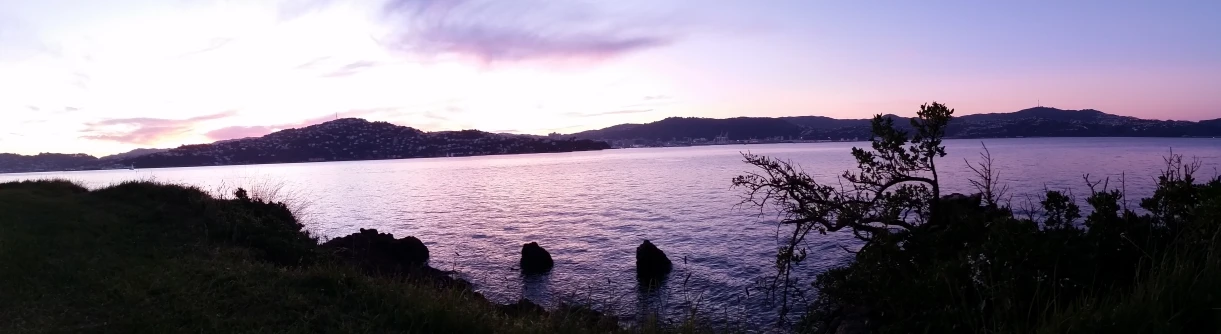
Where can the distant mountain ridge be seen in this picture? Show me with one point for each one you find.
(1032, 122)
(16, 163)
(133, 153)
(339, 140)
(358, 139)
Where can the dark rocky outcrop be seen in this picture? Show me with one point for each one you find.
(380, 252)
(535, 259)
(651, 262)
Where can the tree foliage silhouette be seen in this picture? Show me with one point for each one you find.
(928, 262)
(890, 196)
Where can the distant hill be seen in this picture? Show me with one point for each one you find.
(691, 127)
(133, 153)
(358, 139)
(16, 163)
(1087, 115)
(823, 122)
(1052, 122)
(355, 139)
(1033, 122)
(338, 140)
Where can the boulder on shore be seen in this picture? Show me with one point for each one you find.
(381, 254)
(380, 251)
(535, 259)
(651, 262)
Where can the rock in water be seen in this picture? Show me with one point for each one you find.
(535, 259)
(651, 262)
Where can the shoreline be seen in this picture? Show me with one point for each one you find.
(565, 152)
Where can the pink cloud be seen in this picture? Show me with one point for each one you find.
(146, 130)
(500, 31)
(236, 132)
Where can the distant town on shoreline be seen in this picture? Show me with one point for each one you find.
(352, 139)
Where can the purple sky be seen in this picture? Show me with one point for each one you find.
(100, 78)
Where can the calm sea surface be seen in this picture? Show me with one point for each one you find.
(591, 209)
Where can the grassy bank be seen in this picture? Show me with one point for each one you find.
(153, 258)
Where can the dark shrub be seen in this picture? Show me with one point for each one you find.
(49, 187)
(269, 227)
(182, 197)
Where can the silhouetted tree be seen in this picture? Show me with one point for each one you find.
(891, 195)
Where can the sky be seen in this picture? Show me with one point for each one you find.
(103, 77)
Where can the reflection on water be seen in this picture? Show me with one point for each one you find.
(591, 209)
(535, 287)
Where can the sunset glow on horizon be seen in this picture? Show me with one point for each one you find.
(101, 78)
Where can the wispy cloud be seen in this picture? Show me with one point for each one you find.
(212, 45)
(646, 104)
(146, 130)
(492, 31)
(350, 69)
(613, 112)
(651, 102)
(312, 63)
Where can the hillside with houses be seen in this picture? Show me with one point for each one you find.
(1032, 122)
(356, 139)
(339, 140)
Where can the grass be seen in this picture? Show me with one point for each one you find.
(1180, 292)
(156, 258)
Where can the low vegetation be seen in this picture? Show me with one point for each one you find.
(935, 263)
(143, 257)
